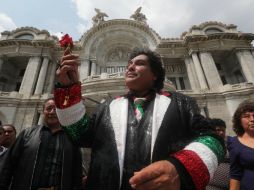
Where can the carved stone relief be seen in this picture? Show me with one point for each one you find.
(175, 69)
(118, 54)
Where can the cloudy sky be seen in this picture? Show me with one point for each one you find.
(169, 18)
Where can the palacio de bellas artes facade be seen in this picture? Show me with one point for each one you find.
(212, 62)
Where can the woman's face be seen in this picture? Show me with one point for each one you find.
(247, 121)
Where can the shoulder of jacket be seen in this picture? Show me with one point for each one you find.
(166, 93)
(31, 130)
(182, 96)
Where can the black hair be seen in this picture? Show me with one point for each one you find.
(216, 122)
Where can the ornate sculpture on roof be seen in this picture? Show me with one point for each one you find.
(99, 17)
(138, 16)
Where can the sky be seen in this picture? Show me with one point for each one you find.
(169, 18)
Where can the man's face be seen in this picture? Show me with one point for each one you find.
(221, 131)
(139, 76)
(50, 117)
(10, 135)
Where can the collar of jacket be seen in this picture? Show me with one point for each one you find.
(119, 114)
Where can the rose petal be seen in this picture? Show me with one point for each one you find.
(66, 41)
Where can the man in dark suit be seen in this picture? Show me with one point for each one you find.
(42, 157)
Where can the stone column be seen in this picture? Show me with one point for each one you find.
(93, 69)
(84, 69)
(1, 63)
(41, 118)
(210, 70)
(178, 85)
(52, 74)
(98, 69)
(30, 76)
(42, 76)
(191, 73)
(246, 61)
(199, 71)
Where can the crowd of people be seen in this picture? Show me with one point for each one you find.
(145, 139)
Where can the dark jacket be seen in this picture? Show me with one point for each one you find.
(20, 160)
(181, 123)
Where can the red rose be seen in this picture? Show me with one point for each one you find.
(66, 41)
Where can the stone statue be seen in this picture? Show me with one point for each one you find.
(99, 17)
(138, 16)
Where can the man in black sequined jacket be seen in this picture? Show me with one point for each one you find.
(166, 145)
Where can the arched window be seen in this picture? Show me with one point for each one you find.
(25, 36)
(213, 31)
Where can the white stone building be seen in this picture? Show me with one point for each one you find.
(212, 62)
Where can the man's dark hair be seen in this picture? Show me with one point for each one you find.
(245, 106)
(216, 122)
(155, 62)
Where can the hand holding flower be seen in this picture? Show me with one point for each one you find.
(66, 42)
(67, 71)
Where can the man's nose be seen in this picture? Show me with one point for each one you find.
(131, 66)
(52, 110)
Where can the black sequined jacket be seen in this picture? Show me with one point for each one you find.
(176, 125)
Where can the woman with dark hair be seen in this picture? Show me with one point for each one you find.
(241, 148)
